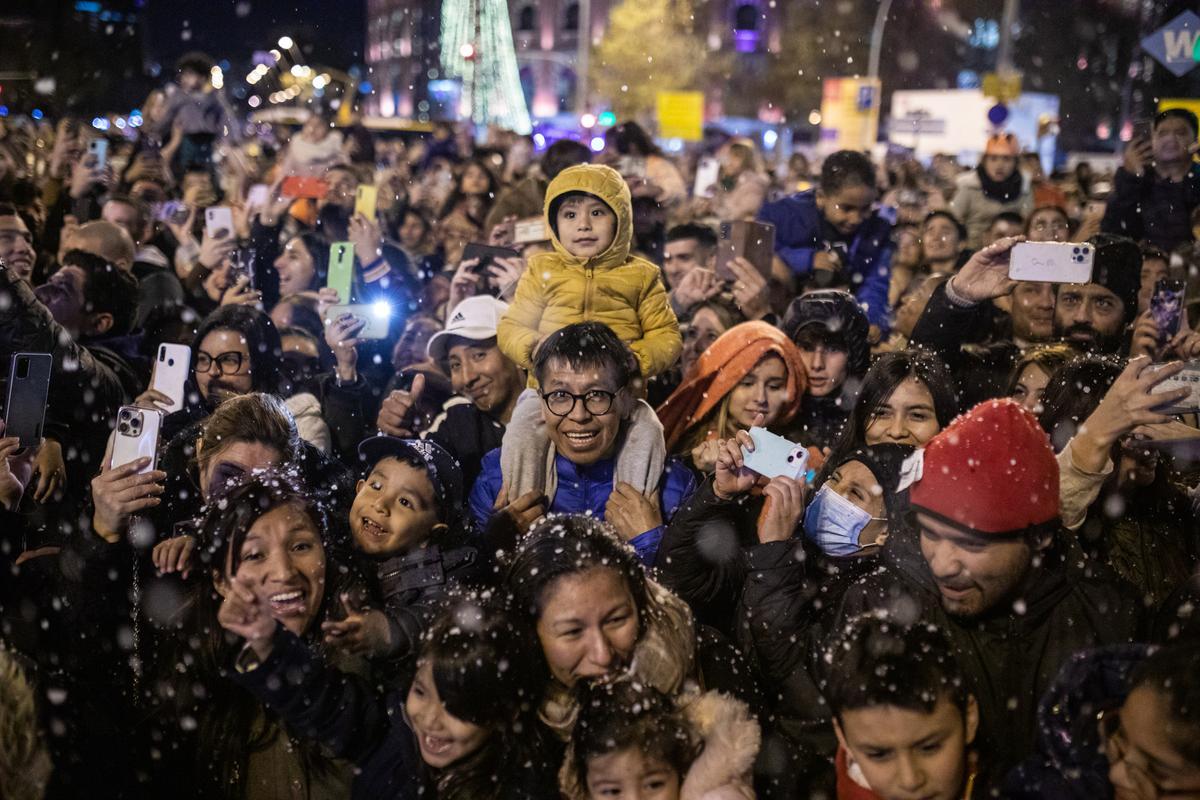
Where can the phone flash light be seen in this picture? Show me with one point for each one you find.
(381, 310)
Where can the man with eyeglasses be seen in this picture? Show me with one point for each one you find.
(984, 557)
(1120, 722)
(585, 373)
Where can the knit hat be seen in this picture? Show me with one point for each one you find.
(1002, 144)
(1118, 268)
(883, 460)
(990, 471)
(839, 314)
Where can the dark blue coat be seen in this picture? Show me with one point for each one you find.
(583, 490)
(797, 222)
(1068, 762)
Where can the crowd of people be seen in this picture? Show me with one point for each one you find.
(469, 490)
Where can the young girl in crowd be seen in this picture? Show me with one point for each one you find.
(906, 398)
(465, 729)
(633, 741)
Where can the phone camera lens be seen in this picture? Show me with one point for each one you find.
(170, 362)
(1075, 250)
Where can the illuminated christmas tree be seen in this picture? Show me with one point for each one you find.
(477, 47)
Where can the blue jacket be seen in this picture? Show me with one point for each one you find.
(585, 490)
(797, 222)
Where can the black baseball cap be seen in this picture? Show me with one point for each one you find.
(445, 474)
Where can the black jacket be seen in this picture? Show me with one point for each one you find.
(975, 342)
(1152, 209)
(354, 722)
(468, 434)
(1012, 654)
(821, 420)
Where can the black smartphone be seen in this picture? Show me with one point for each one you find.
(242, 264)
(487, 255)
(28, 387)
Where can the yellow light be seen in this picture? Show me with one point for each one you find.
(285, 42)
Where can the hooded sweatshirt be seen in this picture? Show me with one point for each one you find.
(624, 292)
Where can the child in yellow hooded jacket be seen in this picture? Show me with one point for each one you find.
(591, 275)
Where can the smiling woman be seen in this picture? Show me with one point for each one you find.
(271, 546)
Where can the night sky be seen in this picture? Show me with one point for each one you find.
(330, 32)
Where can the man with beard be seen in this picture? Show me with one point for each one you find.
(985, 558)
(84, 307)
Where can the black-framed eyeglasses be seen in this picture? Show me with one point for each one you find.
(597, 402)
(1118, 751)
(228, 363)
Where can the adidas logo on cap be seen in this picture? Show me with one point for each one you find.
(459, 317)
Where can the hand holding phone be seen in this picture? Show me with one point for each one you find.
(1052, 262)
(171, 370)
(753, 241)
(136, 437)
(218, 222)
(774, 456)
(28, 389)
(98, 149)
(341, 269)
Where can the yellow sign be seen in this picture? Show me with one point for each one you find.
(681, 115)
(849, 113)
(1004, 87)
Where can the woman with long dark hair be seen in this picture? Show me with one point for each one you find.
(906, 398)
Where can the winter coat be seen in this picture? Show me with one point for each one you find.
(467, 433)
(414, 586)
(798, 236)
(976, 210)
(1011, 655)
(821, 420)
(974, 341)
(1152, 209)
(624, 292)
(1154, 543)
(743, 200)
(730, 739)
(1069, 763)
(585, 490)
(306, 409)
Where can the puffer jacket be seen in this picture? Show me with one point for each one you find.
(585, 490)
(624, 292)
(1069, 761)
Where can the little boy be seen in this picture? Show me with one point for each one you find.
(902, 712)
(590, 276)
(407, 517)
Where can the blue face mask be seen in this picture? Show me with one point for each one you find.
(834, 524)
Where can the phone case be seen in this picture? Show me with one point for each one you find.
(171, 370)
(99, 148)
(377, 315)
(217, 219)
(708, 172)
(341, 269)
(305, 188)
(753, 241)
(1052, 262)
(136, 437)
(28, 388)
(774, 455)
(365, 198)
(1166, 306)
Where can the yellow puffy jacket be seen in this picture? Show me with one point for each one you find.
(625, 293)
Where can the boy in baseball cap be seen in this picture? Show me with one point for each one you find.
(407, 517)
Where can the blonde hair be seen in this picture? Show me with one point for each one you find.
(24, 764)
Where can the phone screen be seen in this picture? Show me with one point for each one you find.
(1166, 306)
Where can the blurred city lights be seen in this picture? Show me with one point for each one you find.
(285, 43)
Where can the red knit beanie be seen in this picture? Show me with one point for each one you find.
(992, 470)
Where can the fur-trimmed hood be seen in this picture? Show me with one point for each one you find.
(730, 737)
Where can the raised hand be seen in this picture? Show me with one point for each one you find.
(242, 613)
(174, 555)
(396, 412)
(985, 275)
(361, 631)
(783, 509)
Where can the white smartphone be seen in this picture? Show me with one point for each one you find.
(774, 455)
(1052, 262)
(99, 149)
(216, 219)
(708, 172)
(136, 437)
(171, 372)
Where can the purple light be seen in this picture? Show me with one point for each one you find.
(745, 41)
